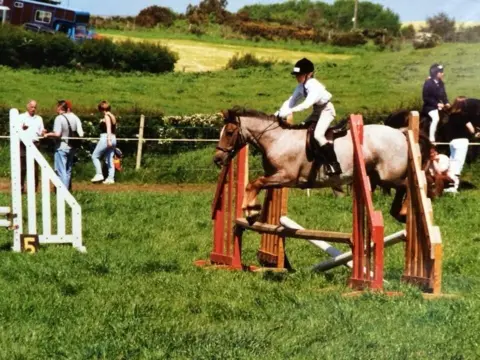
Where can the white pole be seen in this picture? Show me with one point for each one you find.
(140, 143)
(355, 15)
(329, 249)
(346, 258)
(17, 221)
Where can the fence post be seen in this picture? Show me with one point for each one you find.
(140, 142)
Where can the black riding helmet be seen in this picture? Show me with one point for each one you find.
(303, 66)
(435, 69)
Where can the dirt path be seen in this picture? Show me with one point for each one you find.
(161, 188)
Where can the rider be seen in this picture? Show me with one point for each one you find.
(316, 96)
(434, 97)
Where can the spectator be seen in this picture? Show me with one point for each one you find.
(438, 173)
(434, 97)
(32, 124)
(106, 145)
(460, 130)
(65, 124)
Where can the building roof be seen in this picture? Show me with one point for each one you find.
(51, 5)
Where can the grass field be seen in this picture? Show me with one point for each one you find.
(136, 294)
(198, 56)
(373, 81)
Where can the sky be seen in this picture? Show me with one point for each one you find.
(409, 10)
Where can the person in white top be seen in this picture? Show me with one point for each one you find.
(315, 95)
(438, 173)
(32, 124)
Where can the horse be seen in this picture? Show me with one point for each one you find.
(463, 109)
(399, 120)
(287, 164)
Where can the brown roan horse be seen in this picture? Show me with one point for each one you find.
(285, 161)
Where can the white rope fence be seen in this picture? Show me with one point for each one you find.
(135, 139)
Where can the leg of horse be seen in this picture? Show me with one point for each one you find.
(398, 208)
(250, 205)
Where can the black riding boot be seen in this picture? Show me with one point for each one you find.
(332, 167)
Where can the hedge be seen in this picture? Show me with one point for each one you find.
(157, 126)
(21, 48)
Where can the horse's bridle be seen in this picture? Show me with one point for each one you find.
(233, 148)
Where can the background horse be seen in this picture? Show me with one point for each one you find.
(462, 109)
(285, 161)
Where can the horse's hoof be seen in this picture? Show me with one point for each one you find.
(253, 218)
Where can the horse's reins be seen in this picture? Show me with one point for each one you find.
(231, 149)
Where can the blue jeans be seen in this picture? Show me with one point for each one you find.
(102, 150)
(63, 160)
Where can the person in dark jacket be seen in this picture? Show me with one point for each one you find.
(434, 97)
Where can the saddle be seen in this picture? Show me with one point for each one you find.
(334, 132)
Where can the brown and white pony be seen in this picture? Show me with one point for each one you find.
(285, 161)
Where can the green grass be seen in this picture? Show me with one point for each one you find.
(136, 294)
(376, 81)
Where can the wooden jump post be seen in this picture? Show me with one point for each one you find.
(423, 249)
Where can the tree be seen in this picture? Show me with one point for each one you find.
(214, 10)
(442, 26)
(370, 16)
(154, 15)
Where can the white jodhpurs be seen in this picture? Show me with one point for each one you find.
(458, 155)
(433, 126)
(326, 117)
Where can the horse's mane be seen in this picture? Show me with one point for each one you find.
(241, 111)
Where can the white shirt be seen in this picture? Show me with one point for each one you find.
(440, 165)
(314, 93)
(35, 125)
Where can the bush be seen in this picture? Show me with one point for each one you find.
(353, 38)
(146, 57)
(99, 54)
(274, 31)
(468, 35)
(442, 26)
(208, 10)
(20, 48)
(196, 30)
(155, 15)
(408, 32)
(246, 61)
(425, 40)
(113, 22)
